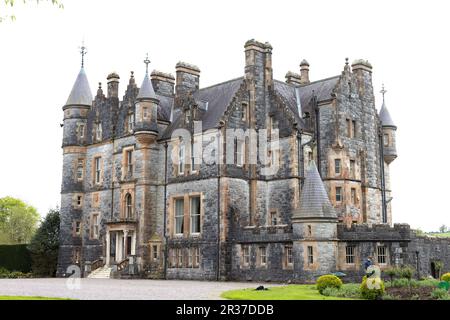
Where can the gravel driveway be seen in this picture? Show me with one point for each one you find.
(105, 289)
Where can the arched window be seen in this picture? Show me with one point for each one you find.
(128, 206)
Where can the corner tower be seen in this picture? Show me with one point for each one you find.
(74, 162)
(314, 229)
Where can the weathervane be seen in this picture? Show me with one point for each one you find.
(383, 91)
(83, 52)
(146, 61)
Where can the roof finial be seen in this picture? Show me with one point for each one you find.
(146, 61)
(383, 91)
(83, 52)
(346, 61)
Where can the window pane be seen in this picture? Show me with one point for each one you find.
(179, 216)
(195, 214)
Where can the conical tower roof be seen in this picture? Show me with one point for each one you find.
(385, 117)
(314, 201)
(146, 91)
(81, 91)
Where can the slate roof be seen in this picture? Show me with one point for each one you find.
(321, 88)
(81, 91)
(385, 117)
(314, 201)
(165, 107)
(146, 91)
(216, 98)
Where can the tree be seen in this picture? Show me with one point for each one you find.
(44, 245)
(6, 5)
(18, 221)
(443, 228)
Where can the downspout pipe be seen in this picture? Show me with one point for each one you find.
(317, 113)
(166, 245)
(219, 172)
(383, 184)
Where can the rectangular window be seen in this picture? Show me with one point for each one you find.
(79, 201)
(95, 226)
(239, 152)
(273, 218)
(353, 129)
(353, 192)
(80, 169)
(145, 112)
(309, 230)
(195, 214)
(244, 112)
(262, 256)
(129, 162)
(246, 255)
(130, 122)
(98, 132)
(77, 228)
(338, 194)
(179, 216)
(349, 127)
(352, 169)
(288, 256)
(81, 131)
(310, 156)
(97, 169)
(310, 255)
(350, 254)
(155, 252)
(337, 166)
(386, 140)
(181, 157)
(381, 254)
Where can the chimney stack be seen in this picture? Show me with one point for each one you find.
(188, 78)
(304, 72)
(293, 78)
(163, 83)
(113, 85)
(258, 62)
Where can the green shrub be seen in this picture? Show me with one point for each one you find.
(446, 277)
(328, 281)
(392, 272)
(399, 283)
(407, 272)
(371, 294)
(387, 297)
(15, 257)
(330, 292)
(440, 294)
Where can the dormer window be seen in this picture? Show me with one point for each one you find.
(244, 111)
(181, 157)
(188, 116)
(98, 131)
(130, 122)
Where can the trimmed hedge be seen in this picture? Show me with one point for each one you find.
(328, 281)
(15, 258)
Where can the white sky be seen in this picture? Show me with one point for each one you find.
(406, 42)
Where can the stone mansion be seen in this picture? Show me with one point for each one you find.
(138, 198)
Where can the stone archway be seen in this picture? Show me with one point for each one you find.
(433, 270)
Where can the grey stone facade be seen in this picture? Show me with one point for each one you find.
(135, 194)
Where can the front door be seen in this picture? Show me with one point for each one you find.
(128, 252)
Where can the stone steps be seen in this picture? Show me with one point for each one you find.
(101, 273)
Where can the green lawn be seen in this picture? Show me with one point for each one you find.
(440, 235)
(30, 298)
(290, 292)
